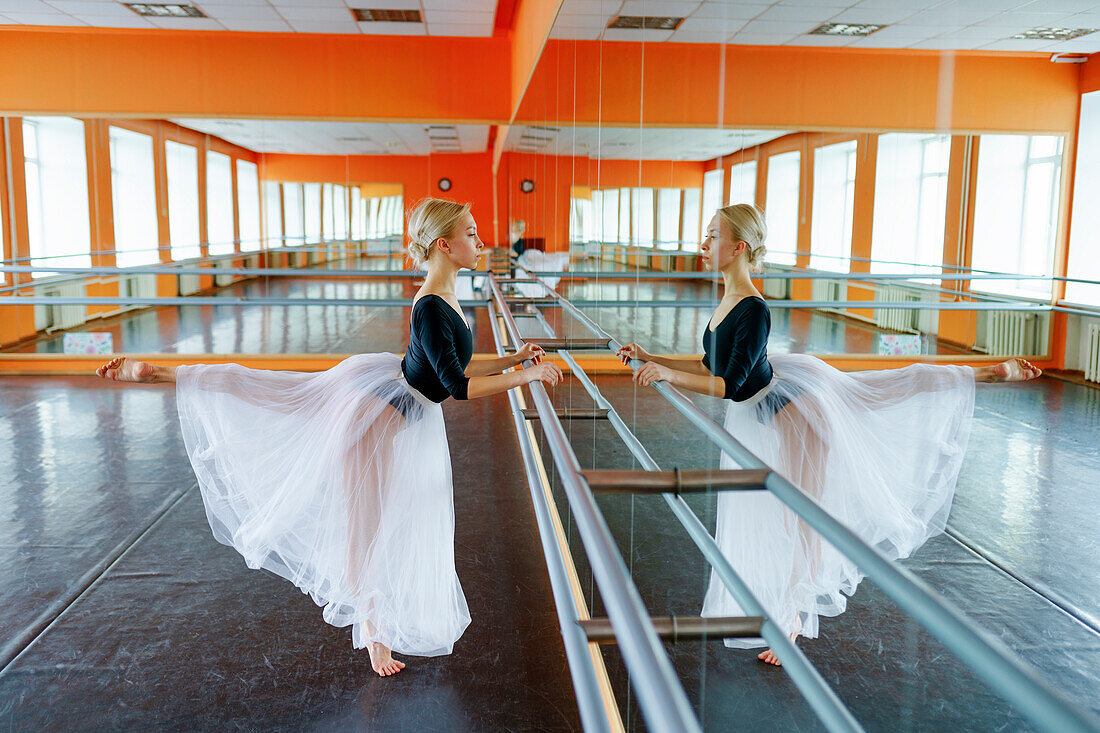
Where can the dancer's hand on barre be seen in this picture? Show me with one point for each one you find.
(632, 351)
(652, 372)
(530, 351)
(548, 373)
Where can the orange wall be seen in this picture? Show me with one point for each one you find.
(675, 84)
(534, 19)
(163, 73)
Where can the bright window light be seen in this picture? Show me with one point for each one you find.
(834, 200)
(781, 207)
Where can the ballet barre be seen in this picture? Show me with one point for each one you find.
(987, 656)
(530, 414)
(661, 697)
(821, 697)
(682, 628)
(675, 481)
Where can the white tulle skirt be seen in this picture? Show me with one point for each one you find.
(340, 482)
(879, 450)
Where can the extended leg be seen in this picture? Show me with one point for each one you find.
(123, 369)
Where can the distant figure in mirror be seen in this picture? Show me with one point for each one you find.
(340, 481)
(879, 450)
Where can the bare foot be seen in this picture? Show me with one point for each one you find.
(769, 655)
(382, 661)
(121, 369)
(1015, 370)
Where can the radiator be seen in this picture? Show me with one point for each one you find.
(219, 278)
(1012, 333)
(188, 284)
(1092, 354)
(55, 317)
(829, 291)
(896, 319)
(777, 288)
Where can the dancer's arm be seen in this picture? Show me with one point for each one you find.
(689, 366)
(485, 367)
(707, 383)
(546, 372)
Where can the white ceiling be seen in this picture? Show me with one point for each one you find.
(441, 17)
(305, 137)
(927, 24)
(632, 143)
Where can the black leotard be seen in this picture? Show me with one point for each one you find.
(440, 348)
(736, 349)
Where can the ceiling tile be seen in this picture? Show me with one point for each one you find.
(659, 8)
(760, 39)
(74, 7)
(581, 21)
(99, 21)
(776, 28)
(385, 4)
(872, 41)
(309, 4)
(836, 41)
(682, 36)
(878, 16)
(460, 29)
(950, 17)
(1081, 20)
(454, 16)
(1084, 44)
(729, 26)
(729, 10)
(591, 7)
(913, 5)
(188, 24)
(393, 29)
(245, 12)
(43, 18)
(256, 26)
(489, 5)
(904, 30)
(945, 44)
(1063, 6)
(799, 13)
(325, 26)
(1022, 20)
(1016, 44)
(317, 15)
(630, 34)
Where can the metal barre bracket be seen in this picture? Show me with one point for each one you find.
(681, 628)
(610, 481)
(533, 414)
(517, 300)
(571, 344)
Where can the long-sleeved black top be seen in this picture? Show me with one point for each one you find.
(440, 349)
(737, 350)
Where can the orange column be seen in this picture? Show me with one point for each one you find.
(959, 327)
(166, 284)
(16, 322)
(101, 212)
(205, 281)
(863, 212)
(803, 289)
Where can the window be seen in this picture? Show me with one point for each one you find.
(641, 207)
(581, 224)
(1015, 211)
(781, 207)
(340, 212)
(312, 197)
(596, 229)
(356, 214)
(712, 199)
(624, 215)
(834, 200)
(690, 224)
(219, 203)
(610, 234)
(248, 205)
(133, 197)
(57, 192)
(182, 166)
(293, 214)
(743, 183)
(273, 214)
(910, 202)
(668, 218)
(326, 212)
(1084, 254)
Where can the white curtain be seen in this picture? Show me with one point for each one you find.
(57, 192)
(781, 207)
(1084, 235)
(834, 199)
(182, 167)
(219, 203)
(743, 183)
(134, 198)
(248, 205)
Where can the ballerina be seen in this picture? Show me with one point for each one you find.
(340, 481)
(879, 450)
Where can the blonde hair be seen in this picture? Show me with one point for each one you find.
(429, 220)
(746, 224)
